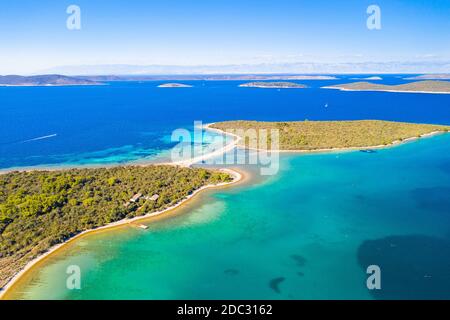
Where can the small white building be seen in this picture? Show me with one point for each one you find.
(136, 197)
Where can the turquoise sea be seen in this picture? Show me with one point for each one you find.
(314, 228)
(126, 121)
(309, 232)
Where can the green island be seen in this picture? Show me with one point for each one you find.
(429, 86)
(323, 135)
(40, 209)
(273, 85)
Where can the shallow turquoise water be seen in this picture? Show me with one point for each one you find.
(127, 121)
(308, 232)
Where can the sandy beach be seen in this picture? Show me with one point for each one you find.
(219, 152)
(183, 163)
(238, 177)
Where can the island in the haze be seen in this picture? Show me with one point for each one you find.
(374, 78)
(44, 80)
(174, 85)
(273, 85)
(208, 77)
(440, 76)
(327, 135)
(430, 86)
(43, 209)
(288, 77)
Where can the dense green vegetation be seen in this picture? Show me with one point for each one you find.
(313, 135)
(39, 209)
(417, 86)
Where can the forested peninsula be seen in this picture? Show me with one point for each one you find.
(40, 209)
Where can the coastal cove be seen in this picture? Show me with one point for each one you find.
(239, 176)
(236, 175)
(296, 247)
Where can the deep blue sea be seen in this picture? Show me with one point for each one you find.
(308, 232)
(125, 121)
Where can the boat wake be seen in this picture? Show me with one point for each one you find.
(40, 138)
(28, 140)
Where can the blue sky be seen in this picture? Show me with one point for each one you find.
(33, 34)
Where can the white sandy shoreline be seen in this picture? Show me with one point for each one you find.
(228, 147)
(237, 177)
(183, 163)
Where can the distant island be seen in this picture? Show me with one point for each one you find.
(330, 135)
(44, 80)
(442, 76)
(369, 78)
(418, 87)
(61, 80)
(210, 77)
(273, 85)
(294, 77)
(40, 210)
(174, 85)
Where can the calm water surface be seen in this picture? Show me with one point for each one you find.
(308, 232)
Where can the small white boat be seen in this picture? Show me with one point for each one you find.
(143, 226)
